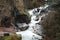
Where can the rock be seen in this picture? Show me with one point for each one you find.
(23, 26)
(7, 9)
(22, 19)
(30, 4)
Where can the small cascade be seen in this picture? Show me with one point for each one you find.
(35, 30)
(36, 16)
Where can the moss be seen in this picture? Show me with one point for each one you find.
(24, 11)
(20, 6)
(13, 37)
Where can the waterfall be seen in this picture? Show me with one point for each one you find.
(34, 32)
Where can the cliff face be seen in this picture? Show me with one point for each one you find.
(4, 9)
(29, 4)
(51, 23)
(10, 9)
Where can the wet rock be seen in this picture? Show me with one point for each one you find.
(22, 19)
(23, 26)
(37, 18)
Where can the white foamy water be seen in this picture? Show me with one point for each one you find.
(34, 32)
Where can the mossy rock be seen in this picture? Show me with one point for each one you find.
(13, 37)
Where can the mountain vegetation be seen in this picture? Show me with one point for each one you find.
(30, 4)
(15, 11)
(51, 23)
(9, 9)
(12, 37)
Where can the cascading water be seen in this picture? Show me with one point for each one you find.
(34, 32)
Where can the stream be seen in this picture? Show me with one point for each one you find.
(35, 30)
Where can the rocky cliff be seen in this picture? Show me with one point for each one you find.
(29, 4)
(10, 9)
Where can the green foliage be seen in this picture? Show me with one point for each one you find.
(13, 37)
(1, 38)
